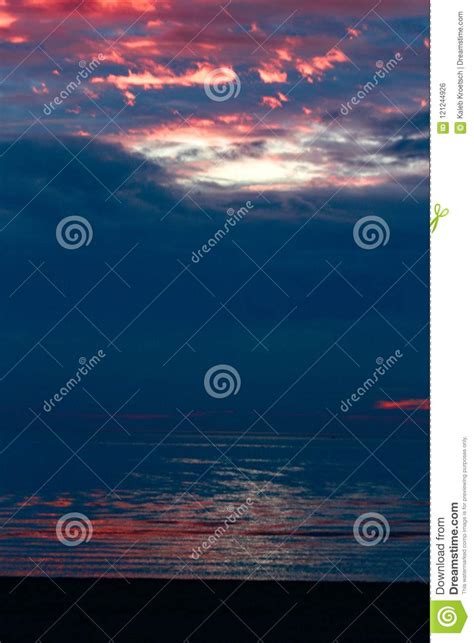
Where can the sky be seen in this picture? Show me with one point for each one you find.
(295, 63)
(186, 112)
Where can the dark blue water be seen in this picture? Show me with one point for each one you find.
(215, 505)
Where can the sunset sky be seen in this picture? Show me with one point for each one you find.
(141, 151)
(297, 63)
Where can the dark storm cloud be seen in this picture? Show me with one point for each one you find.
(149, 327)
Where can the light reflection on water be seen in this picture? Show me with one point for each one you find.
(298, 524)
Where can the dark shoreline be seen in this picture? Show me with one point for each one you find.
(147, 610)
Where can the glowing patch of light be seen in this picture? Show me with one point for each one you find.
(259, 171)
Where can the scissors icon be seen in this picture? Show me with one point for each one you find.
(439, 214)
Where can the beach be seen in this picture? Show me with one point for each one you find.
(120, 609)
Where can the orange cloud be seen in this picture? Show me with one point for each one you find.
(6, 19)
(159, 77)
(353, 33)
(284, 54)
(411, 404)
(272, 73)
(270, 101)
(136, 5)
(319, 64)
(274, 101)
(96, 5)
(235, 119)
(141, 43)
(16, 39)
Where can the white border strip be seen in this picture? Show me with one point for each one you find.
(452, 310)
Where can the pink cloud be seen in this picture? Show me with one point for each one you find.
(40, 89)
